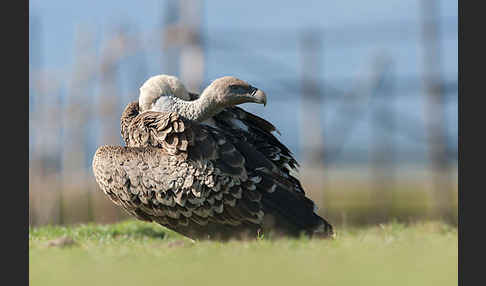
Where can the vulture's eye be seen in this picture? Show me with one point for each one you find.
(253, 90)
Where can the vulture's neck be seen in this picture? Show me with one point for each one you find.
(198, 110)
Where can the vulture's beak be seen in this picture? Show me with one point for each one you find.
(260, 97)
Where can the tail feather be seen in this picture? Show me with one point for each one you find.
(292, 213)
(323, 228)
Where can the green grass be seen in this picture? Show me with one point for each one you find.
(137, 253)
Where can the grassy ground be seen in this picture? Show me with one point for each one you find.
(137, 253)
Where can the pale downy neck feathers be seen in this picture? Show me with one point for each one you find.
(201, 109)
(160, 86)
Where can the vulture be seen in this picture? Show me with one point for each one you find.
(205, 168)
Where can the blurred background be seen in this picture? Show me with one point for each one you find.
(364, 93)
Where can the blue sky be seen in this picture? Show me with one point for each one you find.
(60, 18)
(267, 57)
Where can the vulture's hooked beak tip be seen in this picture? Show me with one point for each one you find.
(261, 97)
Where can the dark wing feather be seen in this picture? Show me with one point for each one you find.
(258, 133)
(287, 209)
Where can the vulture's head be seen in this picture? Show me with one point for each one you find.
(229, 91)
(158, 88)
(165, 93)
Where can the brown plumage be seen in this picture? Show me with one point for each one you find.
(220, 180)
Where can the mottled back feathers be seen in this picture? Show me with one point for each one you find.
(227, 180)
